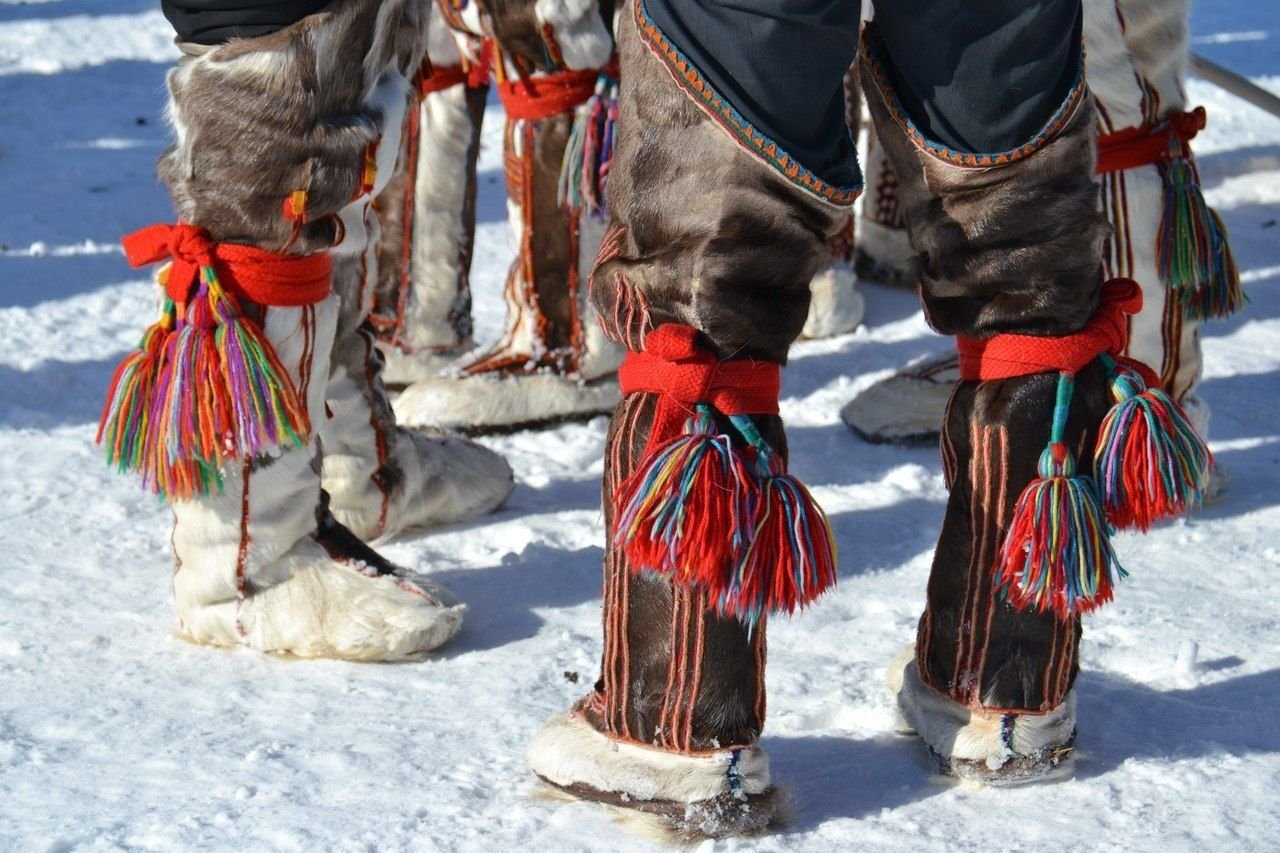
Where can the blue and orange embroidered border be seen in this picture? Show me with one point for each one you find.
(888, 93)
(747, 136)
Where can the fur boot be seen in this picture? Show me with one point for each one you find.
(1136, 54)
(291, 119)
(552, 362)
(422, 308)
(383, 479)
(671, 727)
(1013, 247)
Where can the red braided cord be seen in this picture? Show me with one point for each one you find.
(1007, 356)
(267, 278)
(1150, 143)
(684, 374)
(546, 95)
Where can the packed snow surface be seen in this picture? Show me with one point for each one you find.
(114, 733)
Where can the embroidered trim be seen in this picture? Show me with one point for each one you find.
(888, 94)
(718, 108)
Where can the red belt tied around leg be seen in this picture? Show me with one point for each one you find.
(588, 154)
(205, 385)
(1148, 462)
(706, 513)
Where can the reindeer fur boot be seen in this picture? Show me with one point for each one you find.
(1136, 55)
(1006, 242)
(707, 306)
(275, 137)
(552, 362)
(422, 307)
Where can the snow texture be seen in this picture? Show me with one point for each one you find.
(115, 734)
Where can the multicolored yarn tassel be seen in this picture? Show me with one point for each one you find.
(1149, 461)
(204, 386)
(589, 152)
(686, 510)
(698, 512)
(1057, 554)
(1195, 257)
(790, 555)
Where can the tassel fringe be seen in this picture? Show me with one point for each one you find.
(1149, 461)
(686, 508)
(203, 387)
(697, 512)
(589, 152)
(1057, 554)
(1195, 257)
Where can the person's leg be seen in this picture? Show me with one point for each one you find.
(552, 362)
(1003, 214)
(716, 227)
(1137, 57)
(422, 308)
(1136, 62)
(271, 143)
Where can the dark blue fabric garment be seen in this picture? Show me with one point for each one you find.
(978, 76)
(216, 21)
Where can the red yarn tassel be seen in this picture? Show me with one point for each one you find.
(791, 558)
(1057, 554)
(683, 512)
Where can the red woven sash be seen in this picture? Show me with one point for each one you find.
(1007, 356)
(245, 272)
(1150, 143)
(684, 374)
(547, 95)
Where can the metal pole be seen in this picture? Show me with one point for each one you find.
(1241, 87)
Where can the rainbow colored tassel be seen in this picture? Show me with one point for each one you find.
(1149, 461)
(688, 505)
(1194, 255)
(589, 151)
(790, 557)
(1057, 555)
(204, 386)
(697, 513)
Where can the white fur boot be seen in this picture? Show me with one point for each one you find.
(384, 480)
(907, 407)
(1137, 60)
(258, 565)
(423, 306)
(988, 746)
(552, 362)
(708, 795)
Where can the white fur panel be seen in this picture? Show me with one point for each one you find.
(568, 751)
(1127, 41)
(579, 31)
(885, 245)
(954, 731)
(835, 305)
(448, 402)
(442, 49)
(439, 198)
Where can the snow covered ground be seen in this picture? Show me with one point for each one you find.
(116, 734)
